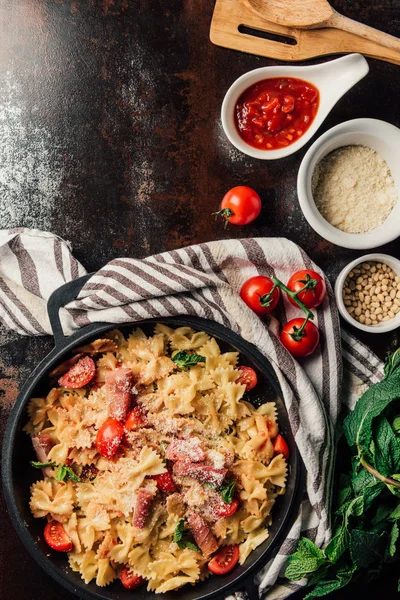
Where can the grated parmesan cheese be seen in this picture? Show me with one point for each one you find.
(353, 189)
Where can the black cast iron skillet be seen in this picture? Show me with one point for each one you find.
(18, 475)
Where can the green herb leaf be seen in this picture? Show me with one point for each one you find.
(184, 360)
(394, 536)
(392, 364)
(227, 491)
(211, 485)
(64, 472)
(323, 588)
(179, 535)
(41, 465)
(396, 425)
(307, 559)
(387, 448)
(358, 424)
(366, 547)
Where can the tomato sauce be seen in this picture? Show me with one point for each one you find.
(276, 112)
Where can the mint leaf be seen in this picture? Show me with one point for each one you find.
(307, 559)
(357, 425)
(395, 514)
(362, 480)
(227, 491)
(179, 534)
(41, 465)
(392, 364)
(184, 360)
(64, 472)
(366, 547)
(396, 425)
(382, 513)
(387, 448)
(338, 544)
(323, 588)
(179, 531)
(394, 536)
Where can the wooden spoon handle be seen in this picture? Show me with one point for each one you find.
(338, 21)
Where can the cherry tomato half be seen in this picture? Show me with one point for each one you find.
(56, 537)
(109, 437)
(164, 482)
(307, 341)
(225, 559)
(280, 446)
(79, 375)
(241, 205)
(129, 580)
(223, 509)
(136, 419)
(315, 288)
(248, 377)
(254, 292)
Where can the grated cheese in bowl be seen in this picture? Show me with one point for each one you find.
(353, 189)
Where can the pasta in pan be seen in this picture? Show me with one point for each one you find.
(153, 461)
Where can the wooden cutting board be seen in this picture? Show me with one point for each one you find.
(237, 27)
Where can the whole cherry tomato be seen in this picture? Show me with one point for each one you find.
(256, 292)
(79, 375)
(280, 446)
(240, 206)
(109, 437)
(56, 537)
(225, 559)
(129, 580)
(248, 377)
(300, 337)
(314, 288)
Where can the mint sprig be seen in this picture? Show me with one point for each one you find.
(366, 525)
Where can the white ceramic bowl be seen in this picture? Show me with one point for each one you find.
(394, 264)
(333, 79)
(382, 137)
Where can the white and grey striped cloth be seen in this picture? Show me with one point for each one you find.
(205, 280)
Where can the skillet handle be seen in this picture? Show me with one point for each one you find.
(59, 298)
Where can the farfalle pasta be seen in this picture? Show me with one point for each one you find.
(152, 459)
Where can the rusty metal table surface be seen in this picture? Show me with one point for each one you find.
(110, 137)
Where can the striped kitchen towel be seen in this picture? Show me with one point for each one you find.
(205, 280)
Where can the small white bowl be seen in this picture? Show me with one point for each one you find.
(382, 137)
(394, 264)
(333, 79)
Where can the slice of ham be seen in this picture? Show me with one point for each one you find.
(203, 473)
(144, 498)
(42, 445)
(202, 534)
(119, 388)
(185, 450)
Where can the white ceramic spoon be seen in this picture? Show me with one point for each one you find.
(333, 79)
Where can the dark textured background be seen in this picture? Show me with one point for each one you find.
(110, 137)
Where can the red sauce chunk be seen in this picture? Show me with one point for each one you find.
(274, 113)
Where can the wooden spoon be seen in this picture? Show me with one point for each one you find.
(316, 14)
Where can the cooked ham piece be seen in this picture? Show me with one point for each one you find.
(202, 534)
(203, 473)
(144, 498)
(118, 388)
(185, 450)
(42, 445)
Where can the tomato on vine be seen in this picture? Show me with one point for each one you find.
(300, 337)
(308, 286)
(240, 206)
(260, 294)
